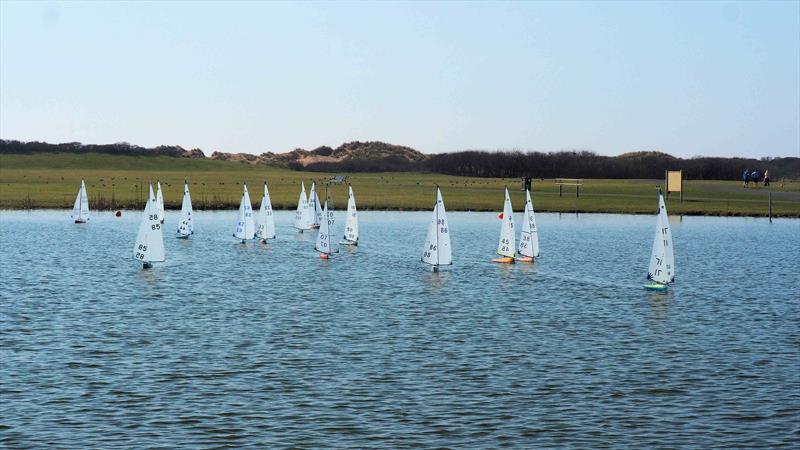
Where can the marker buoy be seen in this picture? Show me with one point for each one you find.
(500, 216)
(118, 213)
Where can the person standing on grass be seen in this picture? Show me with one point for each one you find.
(766, 177)
(746, 176)
(754, 178)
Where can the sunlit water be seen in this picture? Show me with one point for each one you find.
(230, 345)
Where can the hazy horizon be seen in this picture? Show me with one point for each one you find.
(688, 79)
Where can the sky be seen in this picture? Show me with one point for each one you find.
(687, 78)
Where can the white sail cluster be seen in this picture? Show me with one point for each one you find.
(245, 226)
(302, 216)
(265, 222)
(149, 246)
(437, 250)
(314, 207)
(80, 211)
(662, 258)
(324, 243)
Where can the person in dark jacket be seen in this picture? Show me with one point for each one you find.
(746, 176)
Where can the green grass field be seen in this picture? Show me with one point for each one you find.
(116, 182)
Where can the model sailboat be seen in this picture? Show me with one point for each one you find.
(662, 259)
(265, 228)
(186, 223)
(529, 236)
(314, 207)
(302, 219)
(324, 244)
(80, 212)
(351, 223)
(160, 201)
(437, 243)
(149, 246)
(245, 227)
(506, 248)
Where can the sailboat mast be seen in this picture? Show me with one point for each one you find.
(437, 225)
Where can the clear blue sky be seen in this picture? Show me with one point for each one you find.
(716, 78)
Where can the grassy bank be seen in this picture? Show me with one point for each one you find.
(118, 182)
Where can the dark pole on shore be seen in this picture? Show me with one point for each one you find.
(769, 197)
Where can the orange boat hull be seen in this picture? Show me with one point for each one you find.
(324, 256)
(504, 260)
(527, 259)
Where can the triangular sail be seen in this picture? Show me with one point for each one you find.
(314, 207)
(160, 201)
(266, 221)
(149, 246)
(186, 222)
(80, 211)
(245, 227)
(529, 236)
(662, 259)
(437, 243)
(351, 223)
(301, 216)
(507, 245)
(324, 243)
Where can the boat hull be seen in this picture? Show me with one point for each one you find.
(525, 259)
(504, 260)
(657, 287)
(80, 221)
(183, 237)
(346, 242)
(324, 256)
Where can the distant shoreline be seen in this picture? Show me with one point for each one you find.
(51, 182)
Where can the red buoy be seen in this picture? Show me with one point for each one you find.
(500, 216)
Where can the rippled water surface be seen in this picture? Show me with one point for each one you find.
(230, 345)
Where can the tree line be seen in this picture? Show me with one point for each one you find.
(477, 163)
(648, 165)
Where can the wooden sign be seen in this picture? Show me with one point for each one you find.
(674, 182)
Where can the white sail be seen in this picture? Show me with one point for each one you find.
(314, 206)
(437, 243)
(245, 227)
(324, 243)
(529, 236)
(507, 246)
(662, 259)
(301, 215)
(80, 211)
(351, 223)
(160, 201)
(186, 222)
(265, 228)
(149, 245)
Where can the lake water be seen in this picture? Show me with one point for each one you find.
(246, 346)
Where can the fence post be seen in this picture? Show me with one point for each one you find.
(560, 188)
(769, 197)
(578, 191)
